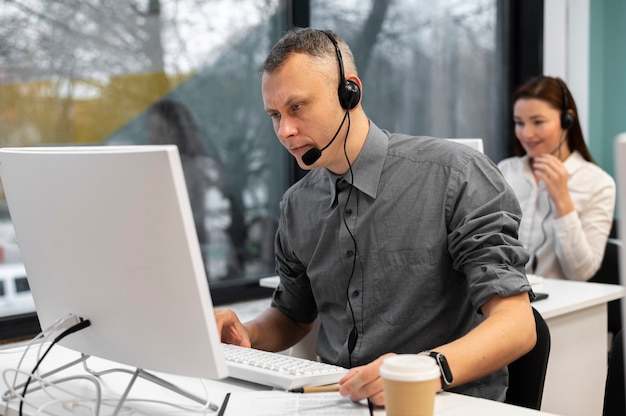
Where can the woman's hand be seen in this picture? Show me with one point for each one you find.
(553, 173)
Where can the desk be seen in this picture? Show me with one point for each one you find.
(576, 313)
(447, 404)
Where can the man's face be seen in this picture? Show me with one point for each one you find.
(301, 98)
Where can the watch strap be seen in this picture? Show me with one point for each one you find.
(444, 368)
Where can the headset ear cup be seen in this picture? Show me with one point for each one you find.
(349, 95)
(567, 120)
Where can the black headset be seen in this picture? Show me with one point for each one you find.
(349, 92)
(567, 118)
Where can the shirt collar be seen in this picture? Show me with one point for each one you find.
(368, 166)
(574, 162)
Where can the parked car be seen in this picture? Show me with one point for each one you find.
(15, 296)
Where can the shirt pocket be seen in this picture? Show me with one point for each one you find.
(406, 286)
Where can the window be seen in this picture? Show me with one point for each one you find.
(146, 71)
(428, 67)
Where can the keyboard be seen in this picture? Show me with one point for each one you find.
(278, 370)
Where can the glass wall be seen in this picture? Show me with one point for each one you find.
(429, 67)
(87, 72)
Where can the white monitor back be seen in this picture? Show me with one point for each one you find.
(106, 233)
(474, 143)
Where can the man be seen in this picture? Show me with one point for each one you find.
(401, 244)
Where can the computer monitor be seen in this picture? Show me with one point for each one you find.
(107, 234)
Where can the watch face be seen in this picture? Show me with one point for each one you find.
(446, 374)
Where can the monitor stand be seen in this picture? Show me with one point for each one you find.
(138, 372)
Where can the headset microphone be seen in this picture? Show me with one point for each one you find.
(313, 154)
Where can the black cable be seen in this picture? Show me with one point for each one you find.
(354, 333)
(77, 327)
(224, 404)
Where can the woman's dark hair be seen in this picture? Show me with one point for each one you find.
(554, 91)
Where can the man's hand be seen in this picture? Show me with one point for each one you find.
(230, 328)
(365, 382)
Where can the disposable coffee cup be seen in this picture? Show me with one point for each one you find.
(410, 383)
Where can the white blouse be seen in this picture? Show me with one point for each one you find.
(570, 247)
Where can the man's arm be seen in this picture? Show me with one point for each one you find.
(270, 331)
(507, 333)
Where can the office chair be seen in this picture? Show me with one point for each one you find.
(527, 374)
(609, 273)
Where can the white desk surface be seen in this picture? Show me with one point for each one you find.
(576, 314)
(446, 404)
(568, 296)
(565, 297)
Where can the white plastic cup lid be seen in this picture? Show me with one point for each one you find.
(410, 367)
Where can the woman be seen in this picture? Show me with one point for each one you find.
(567, 200)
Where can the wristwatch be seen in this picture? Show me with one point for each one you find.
(446, 374)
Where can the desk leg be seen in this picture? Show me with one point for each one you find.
(578, 363)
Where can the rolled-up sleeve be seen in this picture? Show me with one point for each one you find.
(483, 239)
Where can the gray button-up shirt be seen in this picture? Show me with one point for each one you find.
(408, 255)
